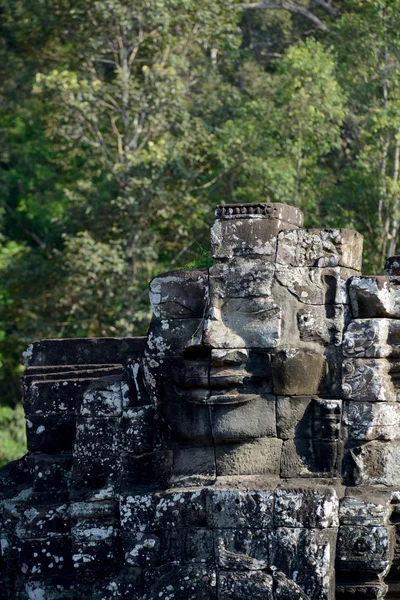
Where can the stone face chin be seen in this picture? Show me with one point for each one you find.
(247, 447)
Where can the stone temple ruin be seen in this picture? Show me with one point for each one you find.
(248, 447)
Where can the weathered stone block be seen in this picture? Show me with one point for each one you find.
(137, 429)
(52, 433)
(95, 558)
(313, 285)
(45, 556)
(60, 589)
(392, 266)
(182, 582)
(253, 235)
(320, 248)
(145, 469)
(372, 338)
(373, 463)
(44, 397)
(103, 398)
(137, 512)
(194, 466)
(97, 458)
(308, 507)
(240, 278)
(331, 383)
(245, 509)
(179, 294)
(91, 351)
(254, 584)
(187, 545)
(191, 421)
(259, 457)
(368, 380)
(294, 415)
(50, 474)
(108, 588)
(262, 210)
(323, 324)
(134, 390)
(253, 372)
(241, 549)
(142, 549)
(230, 357)
(366, 421)
(97, 440)
(364, 549)
(102, 508)
(308, 458)
(95, 538)
(170, 337)
(148, 512)
(307, 417)
(368, 591)
(365, 509)
(307, 556)
(375, 296)
(287, 589)
(43, 521)
(93, 530)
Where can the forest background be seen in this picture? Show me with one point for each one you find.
(124, 122)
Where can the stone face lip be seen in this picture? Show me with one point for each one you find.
(266, 210)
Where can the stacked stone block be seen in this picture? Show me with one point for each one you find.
(43, 529)
(205, 544)
(371, 412)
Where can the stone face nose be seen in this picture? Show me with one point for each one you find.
(215, 333)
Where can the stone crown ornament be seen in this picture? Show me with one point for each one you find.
(248, 446)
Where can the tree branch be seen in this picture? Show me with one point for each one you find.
(27, 231)
(283, 5)
(326, 6)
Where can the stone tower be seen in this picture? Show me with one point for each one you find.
(247, 446)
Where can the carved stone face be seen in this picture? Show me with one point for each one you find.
(207, 394)
(264, 320)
